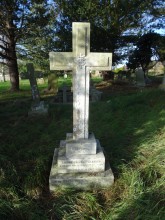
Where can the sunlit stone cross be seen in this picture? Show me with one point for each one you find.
(80, 61)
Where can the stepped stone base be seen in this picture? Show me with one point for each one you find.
(82, 171)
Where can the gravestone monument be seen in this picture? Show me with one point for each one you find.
(37, 107)
(64, 95)
(80, 161)
(140, 80)
(162, 86)
(94, 94)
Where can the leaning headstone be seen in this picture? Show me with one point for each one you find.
(140, 80)
(37, 107)
(80, 161)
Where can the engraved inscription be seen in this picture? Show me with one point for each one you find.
(83, 165)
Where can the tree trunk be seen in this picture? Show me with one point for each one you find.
(13, 67)
(11, 56)
(14, 75)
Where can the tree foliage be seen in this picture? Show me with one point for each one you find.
(149, 46)
(31, 28)
(20, 20)
(109, 20)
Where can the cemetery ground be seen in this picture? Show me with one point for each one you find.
(130, 124)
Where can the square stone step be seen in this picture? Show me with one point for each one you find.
(81, 146)
(85, 181)
(79, 163)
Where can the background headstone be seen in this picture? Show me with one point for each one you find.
(94, 94)
(33, 83)
(64, 95)
(37, 107)
(162, 86)
(140, 80)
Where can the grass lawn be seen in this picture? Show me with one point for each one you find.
(130, 127)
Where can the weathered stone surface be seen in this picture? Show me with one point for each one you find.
(86, 181)
(33, 83)
(81, 146)
(140, 77)
(80, 162)
(80, 61)
(38, 107)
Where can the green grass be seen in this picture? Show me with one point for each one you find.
(25, 91)
(130, 127)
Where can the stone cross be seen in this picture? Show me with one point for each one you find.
(81, 61)
(33, 83)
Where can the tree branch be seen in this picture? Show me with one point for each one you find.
(4, 48)
(4, 56)
(2, 62)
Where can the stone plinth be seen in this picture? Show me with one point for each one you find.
(80, 169)
(81, 146)
(78, 162)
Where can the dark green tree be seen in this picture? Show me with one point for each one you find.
(160, 49)
(19, 21)
(109, 20)
(148, 46)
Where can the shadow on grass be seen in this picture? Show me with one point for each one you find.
(122, 125)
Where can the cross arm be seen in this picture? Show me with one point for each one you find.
(61, 60)
(99, 61)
